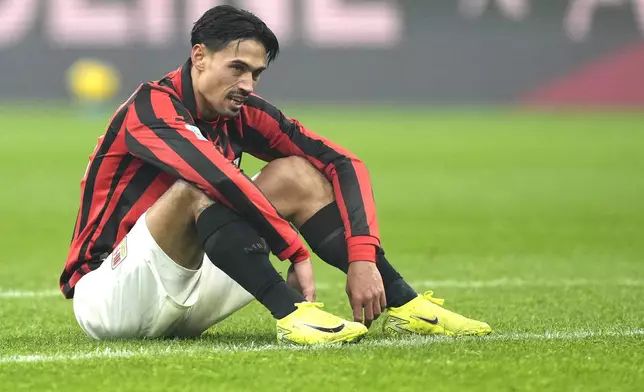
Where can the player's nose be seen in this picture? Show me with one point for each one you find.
(246, 84)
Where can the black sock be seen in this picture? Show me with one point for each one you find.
(324, 232)
(234, 246)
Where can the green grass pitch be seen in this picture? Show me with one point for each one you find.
(533, 222)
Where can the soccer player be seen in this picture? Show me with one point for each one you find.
(171, 237)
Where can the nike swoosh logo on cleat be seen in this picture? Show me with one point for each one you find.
(325, 329)
(433, 322)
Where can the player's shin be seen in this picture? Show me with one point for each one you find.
(234, 246)
(324, 232)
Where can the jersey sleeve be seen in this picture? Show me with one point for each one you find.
(160, 131)
(268, 133)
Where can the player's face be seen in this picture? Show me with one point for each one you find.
(225, 79)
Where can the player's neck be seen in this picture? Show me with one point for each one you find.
(203, 110)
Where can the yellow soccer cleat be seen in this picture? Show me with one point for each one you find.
(311, 325)
(425, 315)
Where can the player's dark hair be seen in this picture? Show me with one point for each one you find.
(224, 24)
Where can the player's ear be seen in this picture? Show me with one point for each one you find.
(198, 55)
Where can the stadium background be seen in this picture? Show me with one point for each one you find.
(454, 52)
(505, 143)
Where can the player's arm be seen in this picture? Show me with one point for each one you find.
(269, 134)
(160, 131)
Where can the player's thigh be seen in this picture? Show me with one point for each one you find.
(138, 291)
(172, 223)
(219, 297)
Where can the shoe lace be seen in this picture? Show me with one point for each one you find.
(429, 295)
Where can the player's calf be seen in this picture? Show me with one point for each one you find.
(236, 248)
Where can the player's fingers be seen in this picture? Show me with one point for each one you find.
(368, 313)
(303, 272)
(383, 301)
(376, 308)
(310, 293)
(291, 280)
(308, 290)
(356, 306)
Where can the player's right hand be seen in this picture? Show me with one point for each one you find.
(366, 291)
(300, 277)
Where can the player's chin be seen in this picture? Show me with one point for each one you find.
(230, 111)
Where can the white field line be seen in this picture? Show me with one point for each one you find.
(506, 282)
(424, 284)
(29, 294)
(518, 282)
(409, 342)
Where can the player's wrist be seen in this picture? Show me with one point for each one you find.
(300, 255)
(362, 248)
(362, 252)
(295, 252)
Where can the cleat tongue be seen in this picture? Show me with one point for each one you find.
(429, 295)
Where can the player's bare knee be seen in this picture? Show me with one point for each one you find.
(296, 179)
(189, 197)
(178, 208)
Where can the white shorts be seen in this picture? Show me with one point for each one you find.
(139, 292)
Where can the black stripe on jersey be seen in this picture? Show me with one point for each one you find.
(181, 110)
(236, 141)
(352, 197)
(75, 227)
(106, 144)
(347, 176)
(221, 140)
(67, 290)
(207, 169)
(311, 147)
(134, 190)
(110, 137)
(256, 143)
(187, 93)
(118, 174)
(141, 151)
(166, 82)
(91, 264)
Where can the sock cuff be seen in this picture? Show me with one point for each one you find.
(323, 224)
(214, 218)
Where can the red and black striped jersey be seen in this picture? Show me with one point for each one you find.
(157, 137)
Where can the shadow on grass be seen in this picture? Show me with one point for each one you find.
(74, 341)
(237, 337)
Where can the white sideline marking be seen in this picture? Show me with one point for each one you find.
(29, 294)
(517, 282)
(506, 282)
(143, 352)
(467, 284)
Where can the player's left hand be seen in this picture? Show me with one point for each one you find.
(366, 291)
(300, 277)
